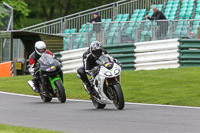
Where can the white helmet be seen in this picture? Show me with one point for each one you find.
(40, 47)
(96, 49)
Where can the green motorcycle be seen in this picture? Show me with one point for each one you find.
(50, 81)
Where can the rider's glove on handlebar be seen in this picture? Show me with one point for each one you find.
(94, 71)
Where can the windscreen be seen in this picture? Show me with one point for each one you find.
(46, 60)
(104, 59)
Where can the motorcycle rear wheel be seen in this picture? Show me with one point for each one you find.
(98, 105)
(45, 99)
(61, 91)
(118, 97)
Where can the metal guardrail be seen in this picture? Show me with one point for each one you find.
(152, 55)
(72, 59)
(189, 52)
(138, 56)
(75, 20)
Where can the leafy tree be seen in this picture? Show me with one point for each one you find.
(51, 9)
(20, 11)
(4, 18)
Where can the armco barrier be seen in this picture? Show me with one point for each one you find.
(153, 46)
(6, 69)
(189, 55)
(139, 56)
(123, 53)
(167, 55)
(156, 55)
(189, 63)
(71, 65)
(189, 43)
(72, 59)
(72, 54)
(189, 52)
(157, 65)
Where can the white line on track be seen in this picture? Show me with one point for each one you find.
(88, 101)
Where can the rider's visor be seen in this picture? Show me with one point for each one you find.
(97, 52)
(42, 50)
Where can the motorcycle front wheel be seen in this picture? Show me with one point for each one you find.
(98, 105)
(61, 91)
(118, 97)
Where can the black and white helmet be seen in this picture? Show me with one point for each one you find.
(96, 49)
(40, 47)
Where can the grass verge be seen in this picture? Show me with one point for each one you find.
(15, 129)
(172, 86)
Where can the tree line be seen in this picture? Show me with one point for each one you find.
(30, 12)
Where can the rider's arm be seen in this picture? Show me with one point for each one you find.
(115, 60)
(32, 63)
(49, 52)
(105, 52)
(86, 63)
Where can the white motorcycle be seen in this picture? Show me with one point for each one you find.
(106, 83)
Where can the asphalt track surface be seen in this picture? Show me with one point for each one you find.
(81, 117)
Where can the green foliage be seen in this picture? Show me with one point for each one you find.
(172, 86)
(4, 18)
(20, 11)
(47, 10)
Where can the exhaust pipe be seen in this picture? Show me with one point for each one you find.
(31, 84)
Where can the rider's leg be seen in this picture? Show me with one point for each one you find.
(36, 82)
(84, 78)
(82, 73)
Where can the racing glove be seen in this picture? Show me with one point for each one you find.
(117, 62)
(36, 69)
(58, 59)
(31, 69)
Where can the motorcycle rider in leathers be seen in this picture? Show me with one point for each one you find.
(90, 67)
(40, 48)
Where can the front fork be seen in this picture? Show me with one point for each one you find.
(109, 86)
(116, 79)
(52, 81)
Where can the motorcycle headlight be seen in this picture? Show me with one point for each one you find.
(117, 71)
(108, 73)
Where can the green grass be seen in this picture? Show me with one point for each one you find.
(172, 86)
(15, 129)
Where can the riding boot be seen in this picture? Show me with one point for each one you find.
(89, 88)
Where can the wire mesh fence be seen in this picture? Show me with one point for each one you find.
(5, 15)
(76, 20)
(109, 33)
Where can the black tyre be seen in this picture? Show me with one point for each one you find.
(98, 105)
(45, 99)
(118, 97)
(61, 91)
